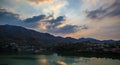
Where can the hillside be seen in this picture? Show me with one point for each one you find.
(21, 36)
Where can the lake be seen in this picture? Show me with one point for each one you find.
(55, 59)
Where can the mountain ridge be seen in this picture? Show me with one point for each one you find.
(21, 35)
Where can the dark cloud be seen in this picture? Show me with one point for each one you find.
(58, 19)
(13, 19)
(64, 30)
(96, 14)
(35, 19)
(53, 23)
(8, 17)
(83, 27)
(101, 13)
(116, 7)
(67, 29)
(43, 18)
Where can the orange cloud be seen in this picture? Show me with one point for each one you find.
(57, 6)
(43, 26)
(41, 2)
(62, 25)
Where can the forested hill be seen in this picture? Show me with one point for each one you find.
(21, 36)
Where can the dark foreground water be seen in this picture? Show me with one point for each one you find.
(54, 59)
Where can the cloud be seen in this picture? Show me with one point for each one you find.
(93, 1)
(14, 19)
(8, 17)
(35, 19)
(108, 28)
(115, 9)
(41, 2)
(43, 23)
(96, 14)
(105, 28)
(53, 25)
(57, 21)
(110, 11)
(64, 30)
(56, 7)
(43, 26)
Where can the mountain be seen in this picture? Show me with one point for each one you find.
(71, 39)
(110, 41)
(92, 40)
(23, 36)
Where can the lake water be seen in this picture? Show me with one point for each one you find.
(54, 59)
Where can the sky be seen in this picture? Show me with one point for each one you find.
(98, 19)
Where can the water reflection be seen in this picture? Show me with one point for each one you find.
(55, 60)
(61, 63)
(62, 60)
